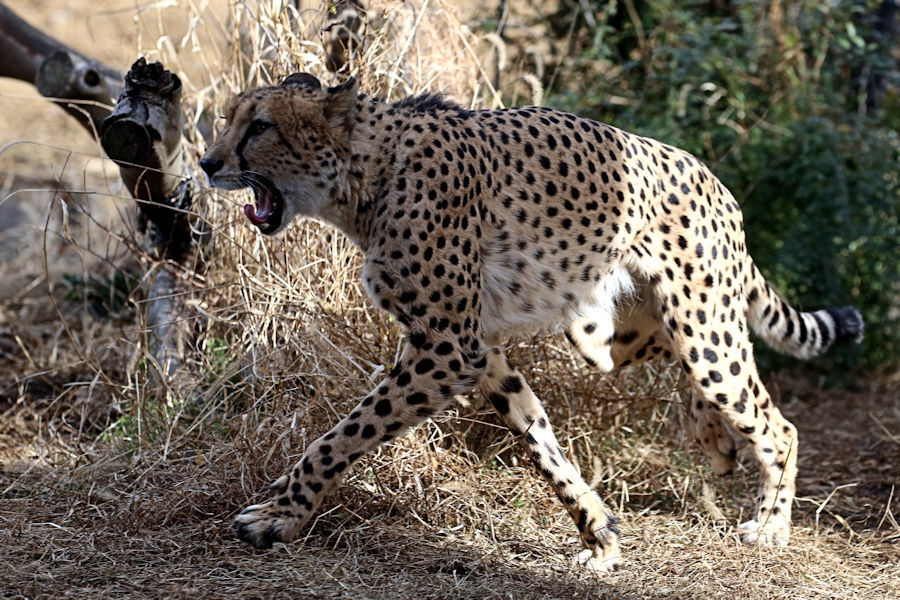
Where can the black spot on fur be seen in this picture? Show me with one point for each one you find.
(500, 402)
(511, 384)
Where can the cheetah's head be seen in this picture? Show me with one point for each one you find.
(288, 144)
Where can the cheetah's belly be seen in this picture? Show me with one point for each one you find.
(523, 297)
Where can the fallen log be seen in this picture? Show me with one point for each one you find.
(82, 86)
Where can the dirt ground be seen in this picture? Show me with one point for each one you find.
(65, 534)
(79, 520)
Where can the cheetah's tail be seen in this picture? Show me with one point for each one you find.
(800, 334)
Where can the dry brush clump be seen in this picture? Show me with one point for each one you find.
(284, 342)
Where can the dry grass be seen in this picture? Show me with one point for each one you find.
(114, 483)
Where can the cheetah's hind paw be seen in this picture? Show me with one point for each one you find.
(765, 534)
(598, 564)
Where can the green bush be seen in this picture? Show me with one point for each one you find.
(795, 111)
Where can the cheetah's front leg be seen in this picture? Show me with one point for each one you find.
(422, 384)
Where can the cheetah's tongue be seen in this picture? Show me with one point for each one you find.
(265, 205)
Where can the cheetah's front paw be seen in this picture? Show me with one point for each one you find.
(264, 524)
(774, 531)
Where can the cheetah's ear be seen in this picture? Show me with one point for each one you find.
(339, 104)
(304, 80)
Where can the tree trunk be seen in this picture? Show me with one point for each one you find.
(143, 136)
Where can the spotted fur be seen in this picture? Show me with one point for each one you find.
(479, 226)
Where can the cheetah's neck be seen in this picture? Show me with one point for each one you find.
(369, 167)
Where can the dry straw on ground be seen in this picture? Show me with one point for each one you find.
(114, 485)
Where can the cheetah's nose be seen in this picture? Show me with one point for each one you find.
(211, 165)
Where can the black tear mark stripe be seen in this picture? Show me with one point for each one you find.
(239, 150)
(248, 134)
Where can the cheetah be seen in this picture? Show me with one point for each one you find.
(478, 226)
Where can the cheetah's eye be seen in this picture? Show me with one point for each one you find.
(257, 127)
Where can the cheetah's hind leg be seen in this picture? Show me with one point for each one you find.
(712, 434)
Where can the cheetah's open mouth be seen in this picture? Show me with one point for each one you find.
(266, 215)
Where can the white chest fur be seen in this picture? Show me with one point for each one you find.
(522, 296)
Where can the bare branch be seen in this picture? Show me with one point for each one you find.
(79, 84)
